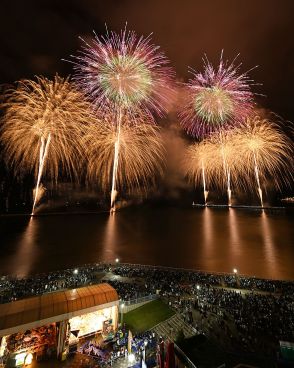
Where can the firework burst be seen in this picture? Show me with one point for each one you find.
(265, 150)
(42, 128)
(197, 165)
(213, 163)
(127, 74)
(140, 155)
(252, 153)
(125, 71)
(216, 99)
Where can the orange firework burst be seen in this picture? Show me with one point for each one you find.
(140, 153)
(253, 152)
(42, 127)
(126, 73)
(265, 149)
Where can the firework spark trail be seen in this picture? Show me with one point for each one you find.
(115, 163)
(225, 151)
(125, 73)
(229, 188)
(42, 127)
(205, 192)
(227, 174)
(43, 154)
(257, 179)
(197, 165)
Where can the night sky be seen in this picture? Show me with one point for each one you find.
(37, 35)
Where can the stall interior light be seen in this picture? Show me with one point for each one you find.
(23, 359)
(131, 358)
(29, 359)
(20, 358)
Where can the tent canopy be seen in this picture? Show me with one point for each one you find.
(54, 307)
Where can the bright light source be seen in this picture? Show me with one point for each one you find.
(131, 358)
(76, 271)
(29, 359)
(19, 358)
(122, 305)
(145, 342)
(198, 287)
(116, 260)
(23, 358)
(235, 270)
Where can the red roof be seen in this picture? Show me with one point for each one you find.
(54, 306)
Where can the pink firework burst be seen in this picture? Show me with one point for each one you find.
(124, 71)
(216, 99)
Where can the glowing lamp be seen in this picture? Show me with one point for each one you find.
(131, 358)
(29, 359)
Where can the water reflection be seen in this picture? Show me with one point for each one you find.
(208, 232)
(109, 252)
(235, 240)
(256, 243)
(269, 246)
(24, 258)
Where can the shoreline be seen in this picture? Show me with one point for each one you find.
(192, 206)
(148, 267)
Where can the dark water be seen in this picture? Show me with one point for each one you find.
(256, 243)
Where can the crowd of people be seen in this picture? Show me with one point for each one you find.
(254, 313)
(155, 278)
(255, 322)
(141, 346)
(95, 350)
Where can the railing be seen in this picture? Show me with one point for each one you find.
(183, 357)
(143, 299)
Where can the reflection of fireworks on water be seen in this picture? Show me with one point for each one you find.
(254, 151)
(125, 73)
(42, 128)
(216, 99)
(140, 153)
